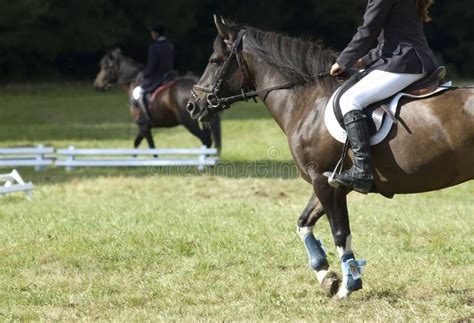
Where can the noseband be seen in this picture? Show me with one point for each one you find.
(212, 93)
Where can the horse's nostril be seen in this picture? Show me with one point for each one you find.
(190, 107)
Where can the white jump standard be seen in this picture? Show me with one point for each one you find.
(14, 183)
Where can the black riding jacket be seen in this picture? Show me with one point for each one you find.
(391, 39)
(160, 62)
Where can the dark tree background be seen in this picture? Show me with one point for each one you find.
(56, 39)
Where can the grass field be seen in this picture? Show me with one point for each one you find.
(151, 244)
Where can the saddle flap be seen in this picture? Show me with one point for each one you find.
(375, 115)
(377, 118)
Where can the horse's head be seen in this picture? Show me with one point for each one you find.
(226, 74)
(108, 74)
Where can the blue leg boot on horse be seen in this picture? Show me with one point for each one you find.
(318, 262)
(352, 270)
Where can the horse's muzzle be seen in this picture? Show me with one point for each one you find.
(102, 88)
(198, 111)
(191, 107)
(194, 110)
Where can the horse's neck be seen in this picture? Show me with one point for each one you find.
(288, 107)
(128, 72)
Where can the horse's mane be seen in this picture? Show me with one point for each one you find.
(131, 61)
(119, 56)
(297, 60)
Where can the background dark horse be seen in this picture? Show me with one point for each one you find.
(167, 110)
(432, 147)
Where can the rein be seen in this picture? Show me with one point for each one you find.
(212, 96)
(245, 96)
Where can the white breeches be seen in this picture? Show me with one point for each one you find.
(374, 87)
(137, 93)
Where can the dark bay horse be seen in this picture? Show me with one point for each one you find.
(169, 108)
(432, 147)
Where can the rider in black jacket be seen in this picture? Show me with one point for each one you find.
(160, 62)
(392, 47)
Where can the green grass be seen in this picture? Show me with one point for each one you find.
(151, 244)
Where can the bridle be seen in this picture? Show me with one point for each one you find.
(110, 74)
(212, 93)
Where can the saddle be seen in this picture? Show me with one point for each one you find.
(168, 81)
(381, 115)
(145, 114)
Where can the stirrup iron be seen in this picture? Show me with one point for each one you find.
(338, 169)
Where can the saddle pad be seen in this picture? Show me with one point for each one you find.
(160, 89)
(340, 134)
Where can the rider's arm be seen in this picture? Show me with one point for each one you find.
(366, 37)
(152, 62)
(369, 58)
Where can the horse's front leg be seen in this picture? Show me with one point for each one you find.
(334, 202)
(317, 256)
(138, 140)
(145, 131)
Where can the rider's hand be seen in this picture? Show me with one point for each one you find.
(336, 70)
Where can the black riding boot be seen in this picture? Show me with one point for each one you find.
(360, 175)
(144, 118)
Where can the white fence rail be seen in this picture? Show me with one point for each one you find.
(27, 156)
(14, 183)
(73, 157)
(40, 157)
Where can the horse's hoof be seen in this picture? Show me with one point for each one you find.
(343, 292)
(331, 283)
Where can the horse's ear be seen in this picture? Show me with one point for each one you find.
(227, 33)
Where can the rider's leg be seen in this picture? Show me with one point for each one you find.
(137, 94)
(376, 86)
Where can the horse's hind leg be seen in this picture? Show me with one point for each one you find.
(335, 204)
(317, 256)
(149, 138)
